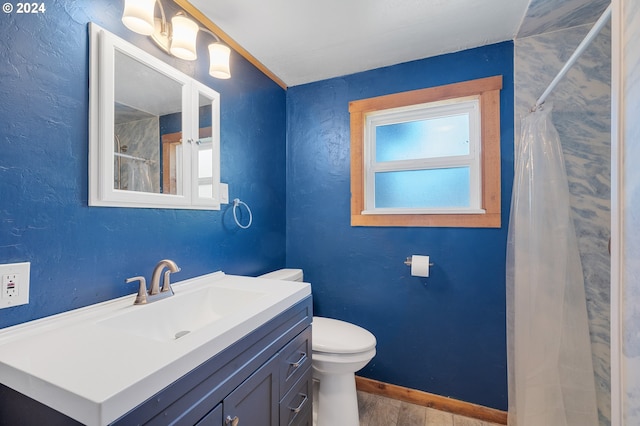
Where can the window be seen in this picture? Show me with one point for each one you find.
(428, 157)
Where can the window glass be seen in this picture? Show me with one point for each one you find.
(424, 157)
(423, 188)
(429, 138)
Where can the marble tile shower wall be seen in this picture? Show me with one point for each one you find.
(581, 114)
(140, 139)
(545, 16)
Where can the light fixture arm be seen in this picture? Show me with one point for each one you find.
(208, 31)
(163, 25)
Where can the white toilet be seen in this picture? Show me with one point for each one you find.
(339, 349)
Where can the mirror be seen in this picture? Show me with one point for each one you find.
(147, 109)
(154, 132)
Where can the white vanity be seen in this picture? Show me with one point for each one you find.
(223, 348)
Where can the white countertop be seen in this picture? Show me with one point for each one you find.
(93, 373)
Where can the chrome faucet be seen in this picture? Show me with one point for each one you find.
(155, 292)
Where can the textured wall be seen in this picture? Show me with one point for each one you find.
(445, 334)
(81, 255)
(581, 114)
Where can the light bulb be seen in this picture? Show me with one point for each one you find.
(183, 42)
(138, 16)
(219, 60)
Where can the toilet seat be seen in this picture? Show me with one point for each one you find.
(333, 336)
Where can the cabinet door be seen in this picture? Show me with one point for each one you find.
(255, 401)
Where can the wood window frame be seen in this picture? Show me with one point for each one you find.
(488, 89)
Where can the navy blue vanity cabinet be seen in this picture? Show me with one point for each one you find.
(278, 393)
(250, 380)
(262, 379)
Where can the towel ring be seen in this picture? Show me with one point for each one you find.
(236, 203)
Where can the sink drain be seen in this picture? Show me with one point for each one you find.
(179, 334)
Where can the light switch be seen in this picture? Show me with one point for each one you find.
(224, 193)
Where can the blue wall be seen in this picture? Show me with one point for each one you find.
(81, 255)
(445, 334)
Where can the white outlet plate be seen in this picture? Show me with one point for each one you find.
(14, 279)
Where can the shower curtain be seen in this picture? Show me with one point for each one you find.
(138, 176)
(551, 381)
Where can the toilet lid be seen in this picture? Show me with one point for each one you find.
(335, 336)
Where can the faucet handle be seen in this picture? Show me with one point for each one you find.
(141, 298)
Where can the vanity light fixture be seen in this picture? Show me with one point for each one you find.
(178, 37)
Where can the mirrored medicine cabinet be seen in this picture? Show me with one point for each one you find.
(154, 131)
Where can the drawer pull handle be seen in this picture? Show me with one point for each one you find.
(232, 421)
(298, 363)
(299, 407)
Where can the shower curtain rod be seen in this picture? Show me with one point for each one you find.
(574, 57)
(131, 157)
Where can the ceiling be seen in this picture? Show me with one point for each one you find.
(302, 41)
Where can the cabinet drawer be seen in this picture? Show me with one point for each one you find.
(295, 407)
(295, 359)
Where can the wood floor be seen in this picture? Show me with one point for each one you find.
(378, 410)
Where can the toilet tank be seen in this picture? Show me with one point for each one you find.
(284, 275)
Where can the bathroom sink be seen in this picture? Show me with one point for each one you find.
(103, 360)
(181, 314)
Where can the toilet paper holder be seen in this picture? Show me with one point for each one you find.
(408, 262)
